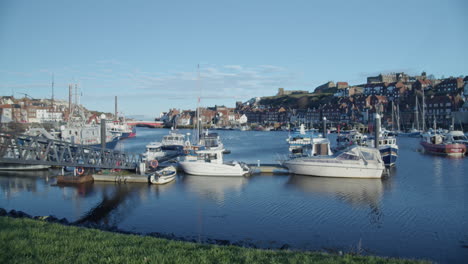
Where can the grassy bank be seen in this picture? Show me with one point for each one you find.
(25, 240)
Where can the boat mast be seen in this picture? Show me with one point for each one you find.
(416, 112)
(197, 135)
(398, 117)
(52, 91)
(393, 120)
(423, 115)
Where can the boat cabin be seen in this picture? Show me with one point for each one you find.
(173, 139)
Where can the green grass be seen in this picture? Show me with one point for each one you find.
(25, 240)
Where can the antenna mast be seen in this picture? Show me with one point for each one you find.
(52, 91)
(198, 105)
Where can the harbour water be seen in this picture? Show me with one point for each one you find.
(419, 211)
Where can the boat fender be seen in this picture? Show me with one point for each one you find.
(79, 170)
(154, 163)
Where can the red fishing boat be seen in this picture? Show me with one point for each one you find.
(438, 144)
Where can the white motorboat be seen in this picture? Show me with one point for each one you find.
(209, 162)
(211, 141)
(153, 151)
(173, 143)
(353, 137)
(163, 176)
(22, 167)
(353, 162)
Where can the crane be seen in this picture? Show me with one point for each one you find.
(26, 95)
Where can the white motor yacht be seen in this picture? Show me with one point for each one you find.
(173, 143)
(209, 162)
(353, 162)
(153, 151)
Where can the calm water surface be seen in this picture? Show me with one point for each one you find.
(420, 211)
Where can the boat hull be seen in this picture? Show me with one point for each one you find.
(211, 169)
(109, 145)
(161, 180)
(389, 155)
(456, 149)
(22, 167)
(322, 169)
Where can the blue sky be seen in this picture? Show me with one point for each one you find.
(147, 52)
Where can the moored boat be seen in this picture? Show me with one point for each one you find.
(435, 143)
(173, 143)
(209, 162)
(163, 176)
(388, 148)
(153, 151)
(121, 129)
(353, 162)
(456, 136)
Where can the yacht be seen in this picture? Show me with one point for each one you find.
(353, 162)
(153, 151)
(352, 137)
(209, 162)
(211, 140)
(173, 143)
(300, 143)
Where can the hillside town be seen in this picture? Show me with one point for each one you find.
(397, 96)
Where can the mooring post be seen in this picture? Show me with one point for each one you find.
(377, 130)
(324, 127)
(103, 131)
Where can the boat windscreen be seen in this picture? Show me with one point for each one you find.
(368, 155)
(347, 156)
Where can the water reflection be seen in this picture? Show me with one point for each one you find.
(116, 202)
(14, 182)
(214, 188)
(360, 193)
(357, 192)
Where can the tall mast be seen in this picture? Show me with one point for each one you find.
(423, 111)
(52, 103)
(416, 112)
(198, 105)
(115, 114)
(398, 117)
(393, 120)
(70, 97)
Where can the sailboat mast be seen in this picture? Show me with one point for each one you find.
(423, 115)
(398, 117)
(198, 106)
(393, 120)
(52, 103)
(416, 112)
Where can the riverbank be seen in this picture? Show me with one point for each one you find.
(24, 240)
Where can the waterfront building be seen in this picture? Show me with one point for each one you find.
(450, 86)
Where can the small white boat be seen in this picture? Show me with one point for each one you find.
(163, 176)
(209, 162)
(353, 162)
(153, 151)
